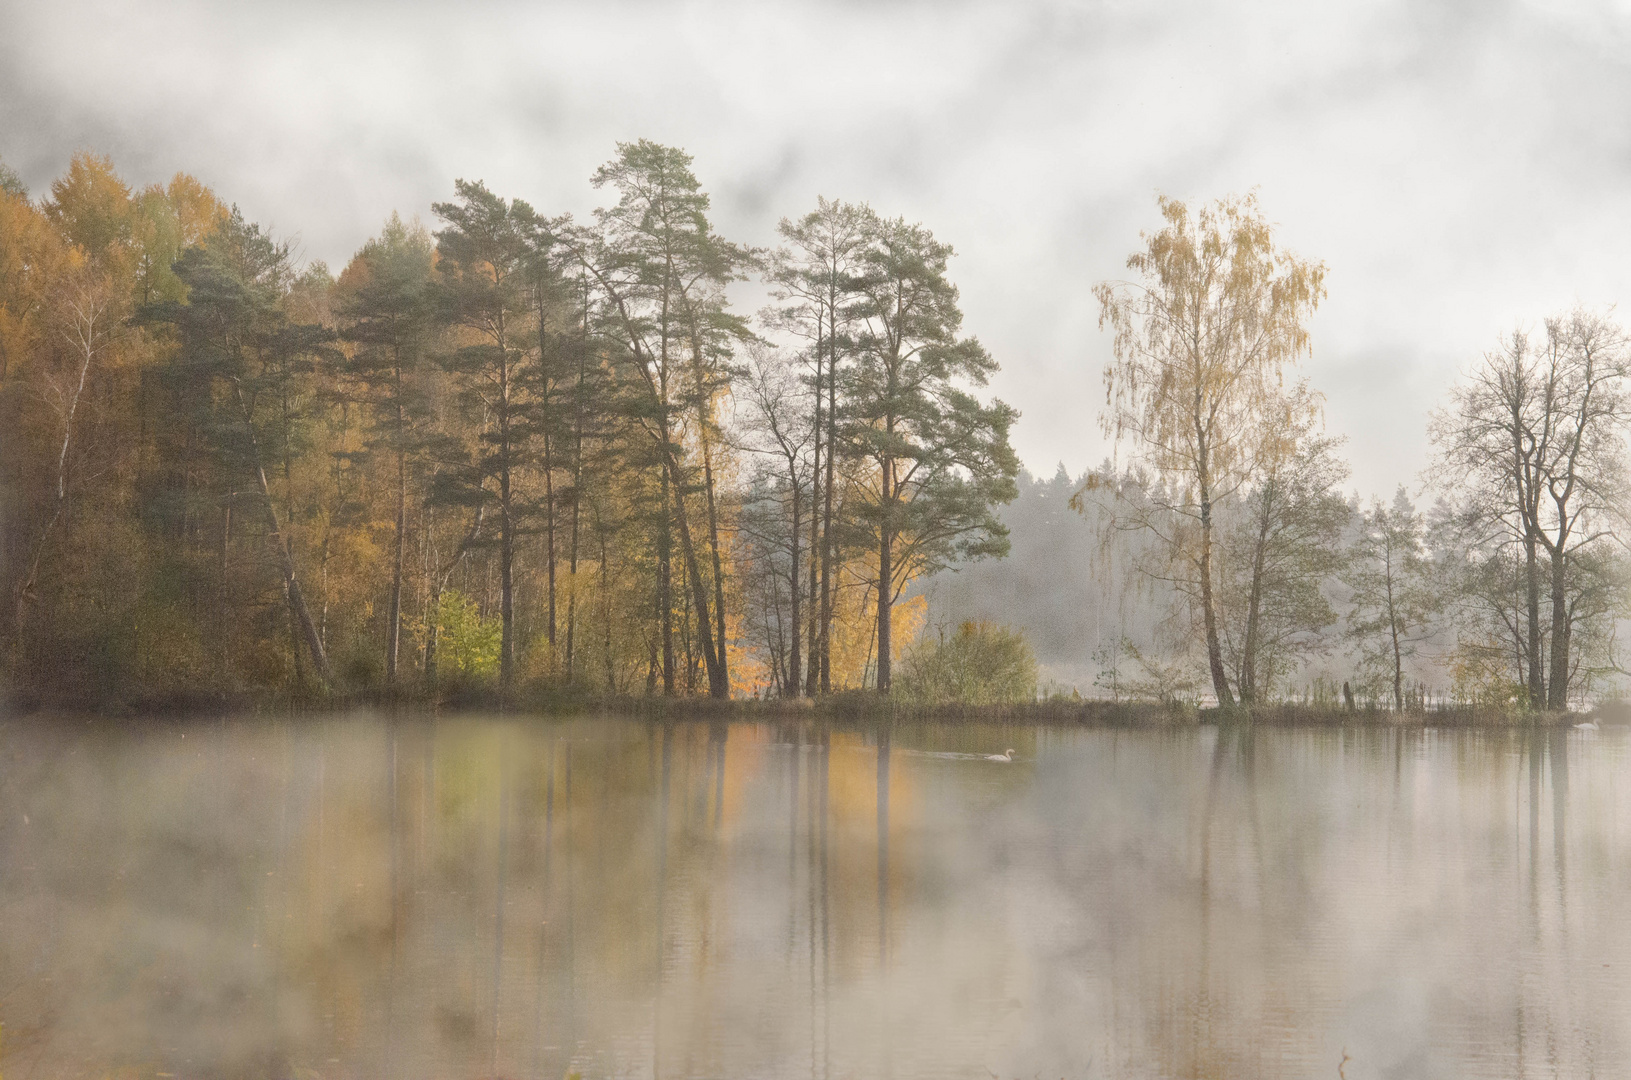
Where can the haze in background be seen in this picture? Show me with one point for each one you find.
(1462, 168)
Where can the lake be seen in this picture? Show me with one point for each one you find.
(363, 896)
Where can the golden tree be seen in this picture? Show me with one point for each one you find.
(1202, 337)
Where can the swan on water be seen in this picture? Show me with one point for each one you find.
(1589, 725)
(1009, 756)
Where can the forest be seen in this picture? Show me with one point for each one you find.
(515, 450)
(512, 452)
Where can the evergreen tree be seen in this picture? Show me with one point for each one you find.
(234, 334)
(485, 254)
(387, 304)
(662, 271)
(941, 456)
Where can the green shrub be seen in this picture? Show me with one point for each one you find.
(981, 664)
(466, 644)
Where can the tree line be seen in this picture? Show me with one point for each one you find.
(520, 449)
(514, 448)
(1231, 508)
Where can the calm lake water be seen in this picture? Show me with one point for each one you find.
(463, 898)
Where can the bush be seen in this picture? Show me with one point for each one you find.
(981, 664)
(466, 644)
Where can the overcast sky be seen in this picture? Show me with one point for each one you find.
(1461, 168)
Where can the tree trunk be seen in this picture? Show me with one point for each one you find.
(223, 651)
(1214, 650)
(577, 520)
(288, 511)
(549, 545)
(665, 585)
(718, 685)
(693, 662)
(546, 411)
(606, 614)
(291, 583)
(1558, 689)
(812, 632)
(394, 635)
(886, 579)
(721, 674)
(506, 574)
(437, 586)
(1537, 677)
(794, 670)
(432, 632)
(87, 347)
(827, 552)
(1393, 632)
(506, 527)
(1254, 606)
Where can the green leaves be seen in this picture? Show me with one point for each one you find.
(981, 664)
(943, 455)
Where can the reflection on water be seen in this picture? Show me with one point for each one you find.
(367, 897)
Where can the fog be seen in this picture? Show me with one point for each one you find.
(1461, 168)
(419, 896)
(360, 896)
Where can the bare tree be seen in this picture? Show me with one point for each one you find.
(1585, 366)
(1531, 444)
(780, 428)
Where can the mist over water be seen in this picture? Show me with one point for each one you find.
(363, 896)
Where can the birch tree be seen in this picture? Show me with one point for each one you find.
(1202, 337)
(87, 319)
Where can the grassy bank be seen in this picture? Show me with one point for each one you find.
(865, 708)
(852, 707)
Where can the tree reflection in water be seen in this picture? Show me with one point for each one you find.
(398, 897)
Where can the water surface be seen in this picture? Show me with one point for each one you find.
(368, 897)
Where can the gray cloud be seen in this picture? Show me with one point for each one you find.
(1460, 167)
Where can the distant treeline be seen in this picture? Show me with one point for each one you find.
(1101, 627)
(516, 450)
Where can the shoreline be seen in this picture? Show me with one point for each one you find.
(843, 709)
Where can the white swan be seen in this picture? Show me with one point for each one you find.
(1589, 725)
(1009, 756)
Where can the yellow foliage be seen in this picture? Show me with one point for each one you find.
(198, 212)
(91, 206)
